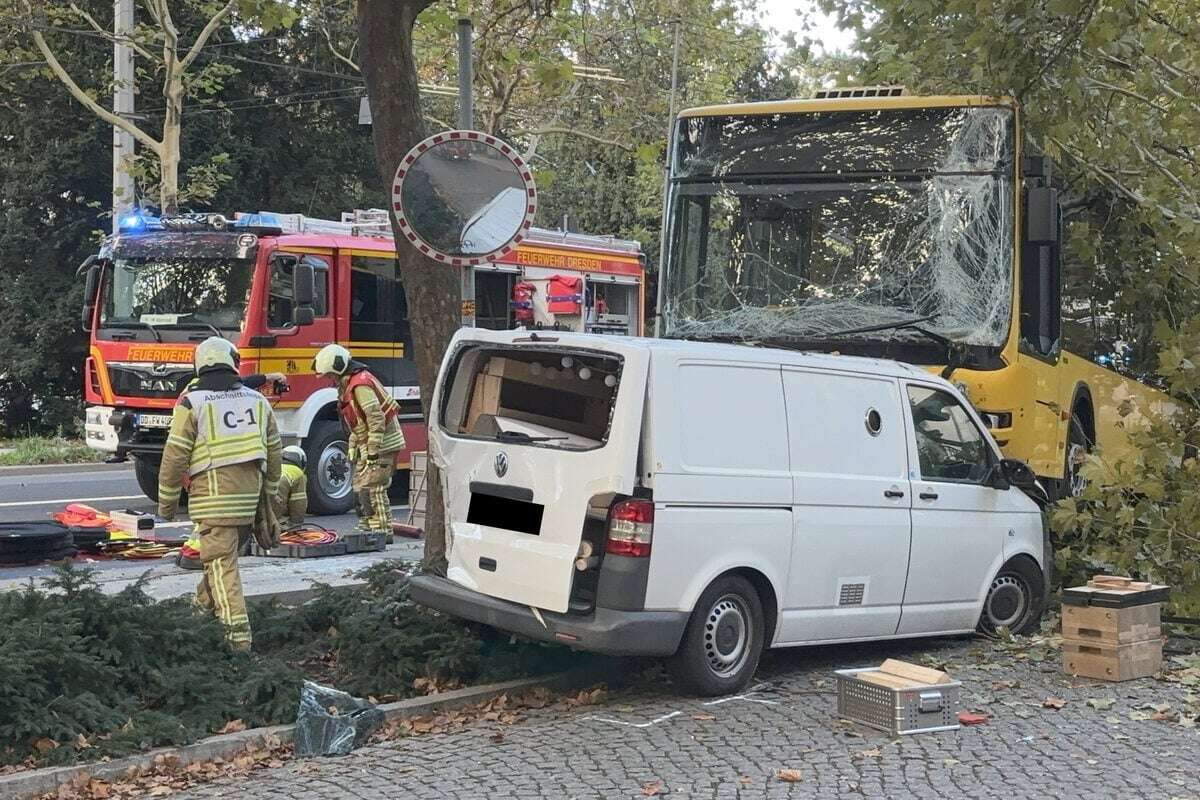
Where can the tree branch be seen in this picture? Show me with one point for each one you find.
(112, 37)
(345, 59)
(569, 131)
(82, 96)
(205, 34)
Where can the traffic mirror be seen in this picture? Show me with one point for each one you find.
(464, 197)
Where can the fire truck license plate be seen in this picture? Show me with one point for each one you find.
(154, 420)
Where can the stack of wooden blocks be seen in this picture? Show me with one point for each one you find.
(417, 489)
(1112, 629)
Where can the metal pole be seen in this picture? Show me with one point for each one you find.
(123, 77)
(662, 234)
(466, 110)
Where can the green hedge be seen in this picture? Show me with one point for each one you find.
(85, 675)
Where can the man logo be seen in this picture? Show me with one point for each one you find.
(501, 465)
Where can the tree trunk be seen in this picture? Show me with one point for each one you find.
(168, 179)
(434, 290)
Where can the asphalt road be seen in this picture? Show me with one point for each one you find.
(32, 493)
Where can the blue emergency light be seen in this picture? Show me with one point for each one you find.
(138, 221)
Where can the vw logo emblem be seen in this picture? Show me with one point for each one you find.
(501, 465)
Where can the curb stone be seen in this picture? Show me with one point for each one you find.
(33, 783)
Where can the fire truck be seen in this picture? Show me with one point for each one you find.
(281, 286)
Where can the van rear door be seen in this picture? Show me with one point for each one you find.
(528, 432)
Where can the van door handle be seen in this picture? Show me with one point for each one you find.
(928, 495)
(893, 493)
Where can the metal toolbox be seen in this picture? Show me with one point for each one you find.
(898, 708)
(364, 542)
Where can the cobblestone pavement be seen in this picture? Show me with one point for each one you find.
(646, 737)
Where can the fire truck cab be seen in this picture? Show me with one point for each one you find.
(281, 286)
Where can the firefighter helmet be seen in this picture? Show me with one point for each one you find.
(332, 359)
(216, 352)
(295, 455)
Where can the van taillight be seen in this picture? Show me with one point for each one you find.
(630, 528)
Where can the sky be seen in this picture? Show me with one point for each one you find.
(783, 16)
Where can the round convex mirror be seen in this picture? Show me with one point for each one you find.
(464, 197)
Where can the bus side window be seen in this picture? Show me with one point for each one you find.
(281, 291)
(1041, 297)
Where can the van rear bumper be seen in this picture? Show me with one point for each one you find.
(618, 633)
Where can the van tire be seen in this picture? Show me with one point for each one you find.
(723, 640)
(1015, 599)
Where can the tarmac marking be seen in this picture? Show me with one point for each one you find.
(65, 501)
(663, 718)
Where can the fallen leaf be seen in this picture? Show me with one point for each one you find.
(950, 762)
(45, 745)
(1054, 702)
(497, 737)
(972, 718)
(233, 726)
(873, 752)
(998, 685)
(746, 780)
(1102, 703)
(703, 717)
(160, 791)
(789, 775)
(651, 788)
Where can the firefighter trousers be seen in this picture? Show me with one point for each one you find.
(371, 482)
(220, 590)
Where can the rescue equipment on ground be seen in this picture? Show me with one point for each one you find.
(308, 536)
(564, 294)
(31, 542)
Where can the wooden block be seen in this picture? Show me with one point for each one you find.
(1118, 582)
(890, 681)
(1108, 663)
(1112, 626)
(485, 399)
(913, 672)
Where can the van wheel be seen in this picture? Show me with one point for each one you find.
(723, 640)
(1014, 600)
(330, 475)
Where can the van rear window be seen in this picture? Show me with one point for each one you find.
(550, 397)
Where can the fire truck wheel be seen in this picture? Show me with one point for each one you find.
(329, 470)
(145, 469)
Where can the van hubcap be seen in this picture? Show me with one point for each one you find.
(727, 635)
(1007, 602)
(333, 471)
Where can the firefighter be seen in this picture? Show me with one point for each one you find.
(255, 381)
(373, 418)
(291, 501)
(224, 438)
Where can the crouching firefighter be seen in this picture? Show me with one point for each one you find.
(224, 438)
(373, 418)
(291, 500)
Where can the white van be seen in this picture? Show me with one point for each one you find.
(703, 501)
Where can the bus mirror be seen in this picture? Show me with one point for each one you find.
(1041, 215)
(90, 286)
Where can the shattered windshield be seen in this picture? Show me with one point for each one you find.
(177, 292)
(806, 226)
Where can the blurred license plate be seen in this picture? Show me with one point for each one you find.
(154, 420)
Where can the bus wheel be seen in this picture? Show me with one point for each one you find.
(1078, 447)
(145, 469)
(330, 475)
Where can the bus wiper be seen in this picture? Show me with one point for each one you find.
(154, 330)
(890, 326)
(519, 436)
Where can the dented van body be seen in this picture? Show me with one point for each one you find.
(704, 501)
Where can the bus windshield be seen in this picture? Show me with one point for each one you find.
(811, 226)
(176, 292)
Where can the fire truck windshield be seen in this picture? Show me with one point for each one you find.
(158, 295)
(804, 226)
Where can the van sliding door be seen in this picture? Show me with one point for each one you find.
(852, 501)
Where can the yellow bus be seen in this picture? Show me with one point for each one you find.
(871, 222)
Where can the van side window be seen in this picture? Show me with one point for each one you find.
(282, 293)
(949, 446)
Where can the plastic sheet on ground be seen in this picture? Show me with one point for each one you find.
(332, 723)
